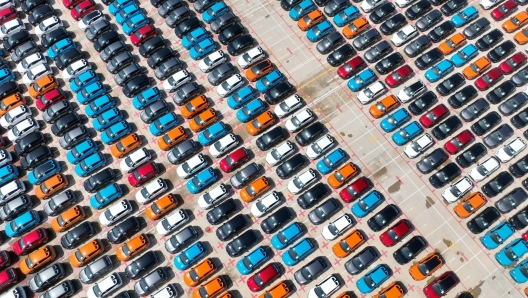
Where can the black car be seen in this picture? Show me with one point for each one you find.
(168, 6)
(119, 62)
(123, 230)
(432, 161)
(160, 56)
(501, 92)
(77, 235)
(155, 3)
(310, 134)
(182, 151)
(483, 220)
(276, 220)
(223, 22)
(423, 103)
(277, 93)
(389, 63)
(16, 39)
(451, 84)
(40, 13)
(382, 13)
(341, 55)
(476, 28)
(99, 180)
(168, 68)
(410, 250)
(187, 26)
(330, 42)
(153, 111)
(105, 39)
(487, 41)
(313, 195)
(335, 6)
(141, 265)
(512, 200)
(232, 227)
(428, 59)
(471, 155)
(418, 9)
(292, 166)
(271, 138)
(474, 110)
(177, 16)
(202, 5)
(289, 4)
(221, 73)
(417, 46)
(311, 271)
(361, 260)
(28, 5)
(486, 123)
(240, 45)
(366, 39)
(230, 33)
(520, 78)
(520, 220)
(521, 119)
(29, 142)
(513, 104)
(462, 97)
(378, 51)
(53, 36)
(136, 85)
(112, 50)
(8, 88)
(384, 218)
(445, 175)
(324, 211)
(153, 44)
(65, 59)
(96, 29)
(126, 74)
(498, 136)
(36, 157)
(441, 31)
(393, 24)
(221, 212)
(241, 243)
(186, 92)
(429, 20)
(501, 51)
(497, 184)
(65, 123)
(453, 6)
(446, 128)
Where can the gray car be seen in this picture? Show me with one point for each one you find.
(63, 290)
(112, 50)
(221, 73)
(74, 136)
(418, 45)
(520, 78)
(119, 62)
(95, 270)
(476, 28)
(513, 104)
(323, 211)
(182, 151)
(311, 271)
(52, 113)
(335, 6)
(378, 51)
(153, 111)
(330, 42)
(168, 6)
(362, 260)
(15, 207)
(96, 29)
(24, 50)
(177, 16)
(186, 92)
(128, 73)
(498, 136)
(245, 175)
(168, 68)
(222, 22)
(474, 110)
(366, 39)
(141, 265)
(151, 282)
(59, 203)
(47, 277)
(181, 239)
(429, 20)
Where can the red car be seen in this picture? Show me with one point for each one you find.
(142, 34)
(49, 98)
(143, 174)
(525, 236)
(399, 76)
(351, 67)
(434, 116)
(30, 241)
(5, 260)
(355, 190)
(82, 9)
(265, 276)
(234, 159)
(488, 79)
(503, 10)
(513, 63)
(459, 142)
(69, 4)
(396, 233)
(441, 285)
(7, 14)
(8, 278)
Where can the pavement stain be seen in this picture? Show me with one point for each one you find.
(448, 243)
(477, 290)
(394, 187)
(380, 173)
(429, 202)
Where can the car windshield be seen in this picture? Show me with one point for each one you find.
(369, 281)
(363, 205)
(108, 214)
(392, 235)
(293, 254)
(468, 207)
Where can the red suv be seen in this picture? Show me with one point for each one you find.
(513, 63)
(7, 14)
(143, 174)
(399, 76)
(396, 233)
(459, 142)
(434, 116)
(30, 241)
(142, 34)
(351, 67)
(441, 285)
(265, 276)
(82, 9)
(233, 160)
(5, 259)
(490, 78)
(49, 98)
(8, 278)
(355, 190)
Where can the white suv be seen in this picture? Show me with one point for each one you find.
(134, 160)
(213, 60)
(22, 129)
(31, 61)
(172, 222)
(48, 25)
(325, 288)
(337, 227)
(297, 184)
(251, 57)
(75, 69)
(418, 146)
(369, 5)
(223, 145)
(177, 80)
(404, 35)
(11, 190)
(372, 92)
(280, 153)
(115, 213)
(288, 106)
(11, 27)
(457, 190)
(230, 85)
(215, 195)
(105, 287)
(168, 292)
(320, 147)
(484, 169)
(300, 120)
(15, 116)
(265, 204)
(191, 166)
(151, 191)
(511, 150)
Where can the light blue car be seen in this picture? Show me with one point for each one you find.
(374, 278)
(463, 56)
(331, 161)
(43, 171)
(497, 235)
(134, 23)
(287, 236)
(90, 164)
(115, 132)
(252, 261)
(366, 204)
(319, 31)
(407, 133)
(201, 181)
(106, 196)
(439, 71)
(81, 151)
(7, 173)
(84, 79)
(212, 133)
(6, 75)
(520, 272)
(251, 110)
(190, 256)
(106, 119)
(213, 12)
(346, 16)
(241, 96)
(202, 49)
(91, 92)
(22, 223)
(99, 105)
(465, 16)
(302, 9)
(126, 13)
(163, 124)
(60, 47)
(298, 252)
(395, 120)
(145, 98)
(512, 252)
(118, 5)
(269, 80)
(361, 80)
(194, 37)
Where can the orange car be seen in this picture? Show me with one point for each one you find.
(344, 295)
(11, 102)
(172, 138)
(515, 22)
(199, 272)
(226, 295)
(51, 186)
(470, 205)
(348, 244)
(394, 290)
(433, 260)
(342, 175)
(308, 21)
(256, 188)
(260, 123)
(132, 247)
(37, 259)
(193, 107)
(42, 86)
(86, 253)
(125, 145)
(280, 290)
(161, 207)
(357, 26)
(259, 70)
(204, 119)
(68, 218)
(476, 68)
(521, 37)
(384, 106)
(210, 289)
(453, 43)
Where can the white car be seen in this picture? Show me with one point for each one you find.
(215, 195)
(75, 69)
(457, 190)
(301, 182)
(251, 57)
(319, 147)
(370, 5)
(134, 160)
(105, 287)
(230, 85)
(288, 106)
(223, 145)
(11, 190)
(48, 25)
(7, 3)
(418, 146)
(22, 129)
(31, 61)
(300, 120)
(15, 116)
(337, 227)
(487, 4)
(172, 222)
(192, 166)
(11, 27)
(212, 60)
(409, 92)
(403, 3)
(36, 73)
(151, 191)
(177, 80)
(404, 35)
(115, 213)
(484, 169)
(89, 19)
(264, 205)
(325, 288)
(372, 92)
(5, 157)
(280, 153)
(511, 150)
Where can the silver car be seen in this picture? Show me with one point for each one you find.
(243, 176)
(95, 270)
(63, 290)
(46, 278)
(151, 282)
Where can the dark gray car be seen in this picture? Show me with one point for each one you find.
(47, 277)
(182, 151)
(168, 68)
(141, 265)
(311, 271)
(513, 104)
(432, 161)
(186, 92)
(222, 22)
(221, 73)
(77, 235)
(74, 136)
(520, 78)
(429, 20)
(112, 50)
(361, 260)
(96, 29)
(323, 211)
(498, 136)
(476, 28)
(511, 200)
(168, 6)
(128, 73)
(153, 111)
(59, 203)
(378, 51)
(418, 45)
(245, 175)
(335, 6)
(119, 62)
(330, 42)
(180, 240)
(366, 39)
(95, 270)
(151, 282)
(55, 111)
(177, 16)
(24, 50)
(474, 110)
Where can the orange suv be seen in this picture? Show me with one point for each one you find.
(280, 290)
(384, 106)
(260, 123)
(313, 18)
(476, 68)
(348, 244)
(259, 70)
(199, 273)
(37, 259)
(342, 175)
(393, 290)
(193, 107)
(211, 288)
(254, 189)
(433, 260)
(161, 207)
(522, 36)
(172, 138)
(42, 86)
(132, 247)
(125, 145)
(453, 43)
(515, 22)
(51, 186)
(359, 25)
(68, 218)
(204, 119)
(86, 253)
(11, 102)
(470, 205)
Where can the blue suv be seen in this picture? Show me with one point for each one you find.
(60, 47)
(214, 12)
(361, 80)
(43, 172)
(212, 133)
(298, 252)
(90, 164)
(99, 105)
(395, 120)
(463, 56)
(366, 204)
(8, 173)
(439, 71)
(118, 5)
(347, 15)
(6, 75)
(201, 181)
(134, 23)
(145, 98)
(287, 236)
(126, 13)
(331, 161)
(194, 37)
(106, 196)
(80, 151)
(84, 79)
(407, 133)
(302, 9)
(252, 261)
(497, 235)
(375, 278)
(518, 273)
(241, 96)
(190, 256)
(319, 31)
(202, 49)
(465, 16)
(251, 110)
(512, 252)
(115, 132)
(106, 119)
(163, 124)
(91, 92)
(270, 80)
(22, 223)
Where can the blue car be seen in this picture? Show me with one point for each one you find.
(252, 261)
(302, 9)
(190, 256)
(298, 252)
(145, 98)
(115, 132)
(84, 79)
(241, 96)
(118, 5)
(106, 196)
(497, 235)
(80, 151)
(395, 120)
(330, 162)
(194, 37)
(366, 204)
(465, 16)
(287, 236)
(268, 81)
(463, 56)
(60, 47)
(134, 23)
(163, 124)
(22, 223)
(126, 13)
(438, 71)
(212, 133)
(214, 12)
(374, 278)
(520, 272)
(99, 105)
(361, 80)
(6, 75)
(346, 16)
(91, 92)
(106, 119)
(201, 181)
(90, 164)
(7, 173)
(43, 172)
(512, 252)
(202, 49)
(319, 31)
(407, 133)
(251, 110)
